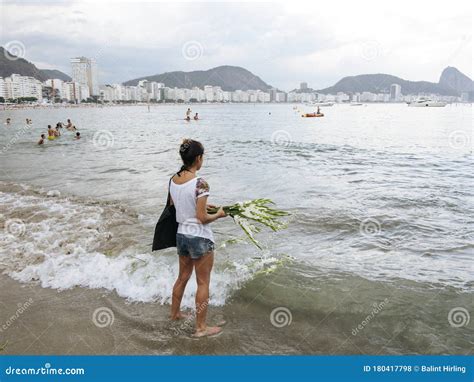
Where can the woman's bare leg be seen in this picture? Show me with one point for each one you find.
(185, 272)
(203, 268)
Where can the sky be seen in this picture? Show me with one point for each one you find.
(283, 42)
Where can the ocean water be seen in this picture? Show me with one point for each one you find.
(380, 196)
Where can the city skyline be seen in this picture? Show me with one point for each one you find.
(282, 43)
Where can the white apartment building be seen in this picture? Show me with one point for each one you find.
(395, 93)
(84, 71)
(3, 91)
(17, 86)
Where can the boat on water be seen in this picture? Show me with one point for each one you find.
(312, 115)
(356, 104)
(426, 102)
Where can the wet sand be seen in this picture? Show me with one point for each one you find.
(92, 321)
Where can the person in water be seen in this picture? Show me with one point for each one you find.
(57, 133)
(194, 239)
(78, 135)
(41, 141)
(70, 126)
(28, 121)
(8, 121)
(51, 133)
(188, 118)
(188, 113)
(196, 117)
(318, 111)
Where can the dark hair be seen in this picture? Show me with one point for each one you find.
(189, 151)
(49, 127)
(78, 133)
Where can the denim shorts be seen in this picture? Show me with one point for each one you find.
(193, 246)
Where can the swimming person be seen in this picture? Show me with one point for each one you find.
(188, 113)
(196, 117)
(41, 141)
(188, 118)
(57, 133)
(194, 240)
(69, 125)
(51, 133)
(78, 135)
(8, 121)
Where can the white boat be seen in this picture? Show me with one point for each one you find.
(356, 104)
(426, 102)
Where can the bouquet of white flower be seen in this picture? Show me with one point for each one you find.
(257, 210)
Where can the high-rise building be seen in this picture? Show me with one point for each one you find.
(303, 86)
(395, 92)
(84, 71)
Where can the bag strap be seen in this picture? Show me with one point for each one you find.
(169, 194)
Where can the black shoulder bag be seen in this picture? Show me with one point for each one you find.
(166, 228)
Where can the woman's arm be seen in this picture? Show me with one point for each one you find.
(201, 211)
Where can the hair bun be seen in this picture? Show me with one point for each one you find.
(185, 145)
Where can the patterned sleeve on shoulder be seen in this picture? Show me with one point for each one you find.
(202, 188)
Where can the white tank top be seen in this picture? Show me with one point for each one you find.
(184, 198)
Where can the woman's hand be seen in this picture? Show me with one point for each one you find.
(221, 213)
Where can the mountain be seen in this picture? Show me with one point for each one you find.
(380, 83)
(229, 78)
(53, 74)
(17, 65)
(453, 79)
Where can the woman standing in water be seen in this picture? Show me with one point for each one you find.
(194, 240)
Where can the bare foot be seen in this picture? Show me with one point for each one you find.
(210, 331)
(181, 316)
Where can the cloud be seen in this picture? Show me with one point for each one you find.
(283, 42)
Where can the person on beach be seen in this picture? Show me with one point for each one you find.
(41, 141)
(194, 239)
(78, 135)
(196, 117)
(51, 133)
